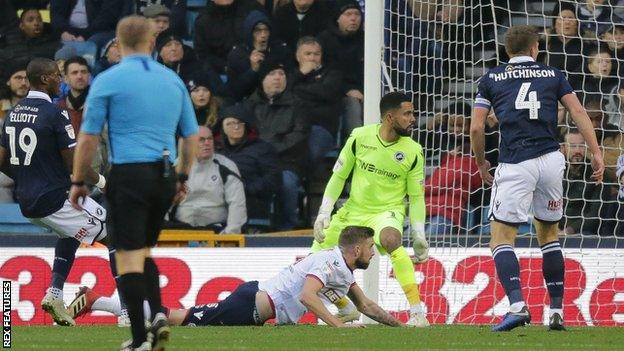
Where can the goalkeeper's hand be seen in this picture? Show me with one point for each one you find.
(321, 223)
(421, 247)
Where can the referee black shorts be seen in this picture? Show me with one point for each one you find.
(138, 197)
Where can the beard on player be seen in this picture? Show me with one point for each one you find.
(403, 131)
(360, 263)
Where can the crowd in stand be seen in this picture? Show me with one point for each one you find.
(277, 85)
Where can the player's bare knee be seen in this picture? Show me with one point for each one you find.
(390, 239)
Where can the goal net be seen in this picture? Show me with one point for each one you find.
(437, 50)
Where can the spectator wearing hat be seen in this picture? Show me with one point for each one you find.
(176, 17)
(237, 139)
(180, 58)
(319, 88)
(32, 38)
(159, 16)
(219, 27)
(282, 122)
(205, 103)
(244, 60)
(85, 24)
(301, 18)
(343, 47)
(15, 87)
(109, 57)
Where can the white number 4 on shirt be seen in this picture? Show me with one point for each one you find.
(532, 104)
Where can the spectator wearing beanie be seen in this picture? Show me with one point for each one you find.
(301, 18)
(343, 47)
(219, 27)
(237, 139)
(205, 103)
(282, 122)
(175, 55)
(110, 56)
(245, 58)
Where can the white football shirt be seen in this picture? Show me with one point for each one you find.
(328, 266)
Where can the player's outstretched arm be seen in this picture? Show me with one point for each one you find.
(371, 309)
(477, 140)
(309, 298)
(584, 125)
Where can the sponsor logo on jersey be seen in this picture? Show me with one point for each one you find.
(376, 170)
(399, 156)
(368, 147)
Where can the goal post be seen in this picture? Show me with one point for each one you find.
(436, 50)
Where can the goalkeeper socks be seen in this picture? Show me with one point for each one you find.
(132, 288)
(403, 268)
(152, 287)
(553, 268)
(508, 271)
(64, 255)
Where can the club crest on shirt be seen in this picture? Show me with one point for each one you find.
(70, 131)
(399, 156)
(509, 68)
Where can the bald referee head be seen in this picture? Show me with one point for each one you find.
(135, 35)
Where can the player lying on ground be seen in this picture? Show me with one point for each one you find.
(36, 150)
(324, 276)
(524, 95)
(385, 164)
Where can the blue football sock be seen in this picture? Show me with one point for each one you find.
(508, 271)
(64, 255)
(553, 268)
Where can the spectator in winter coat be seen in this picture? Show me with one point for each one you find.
(244, 60)
(282, 122)
(256, 159)
(343, 47)
(215, 197)
(219, 27)
(319, 88)
(32, 38)
(109, 57)
(205, 103)
(301, 18)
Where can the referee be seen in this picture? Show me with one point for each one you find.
(144, 105)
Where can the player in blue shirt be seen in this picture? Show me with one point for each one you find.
(524, 95)
(145, 106)
(37, 148)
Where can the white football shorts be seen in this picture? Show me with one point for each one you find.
(86, 226)
(537, 182)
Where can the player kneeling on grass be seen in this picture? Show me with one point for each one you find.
(322, 277)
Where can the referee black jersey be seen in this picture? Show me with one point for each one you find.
(34, 133)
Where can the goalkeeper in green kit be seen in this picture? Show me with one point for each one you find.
(386, 165)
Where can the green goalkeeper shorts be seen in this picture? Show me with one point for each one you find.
(344, 218)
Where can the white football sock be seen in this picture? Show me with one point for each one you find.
(107, 304)
(57, 293)
(516, 307)
(416, 309)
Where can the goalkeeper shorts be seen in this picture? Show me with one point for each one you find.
(344, 218)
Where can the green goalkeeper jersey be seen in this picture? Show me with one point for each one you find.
(383, 173)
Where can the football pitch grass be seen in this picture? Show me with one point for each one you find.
(455, 337)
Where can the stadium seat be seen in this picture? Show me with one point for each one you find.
(12, 221)
(172, 237)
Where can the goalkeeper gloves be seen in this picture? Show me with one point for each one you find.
(321, 223)
(419, 242)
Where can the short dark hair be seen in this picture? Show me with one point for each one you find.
(519, 39)
(392, 101)
(39, 67)
(28, 9)
(308, 40)
(75, 59)
(354, 234)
